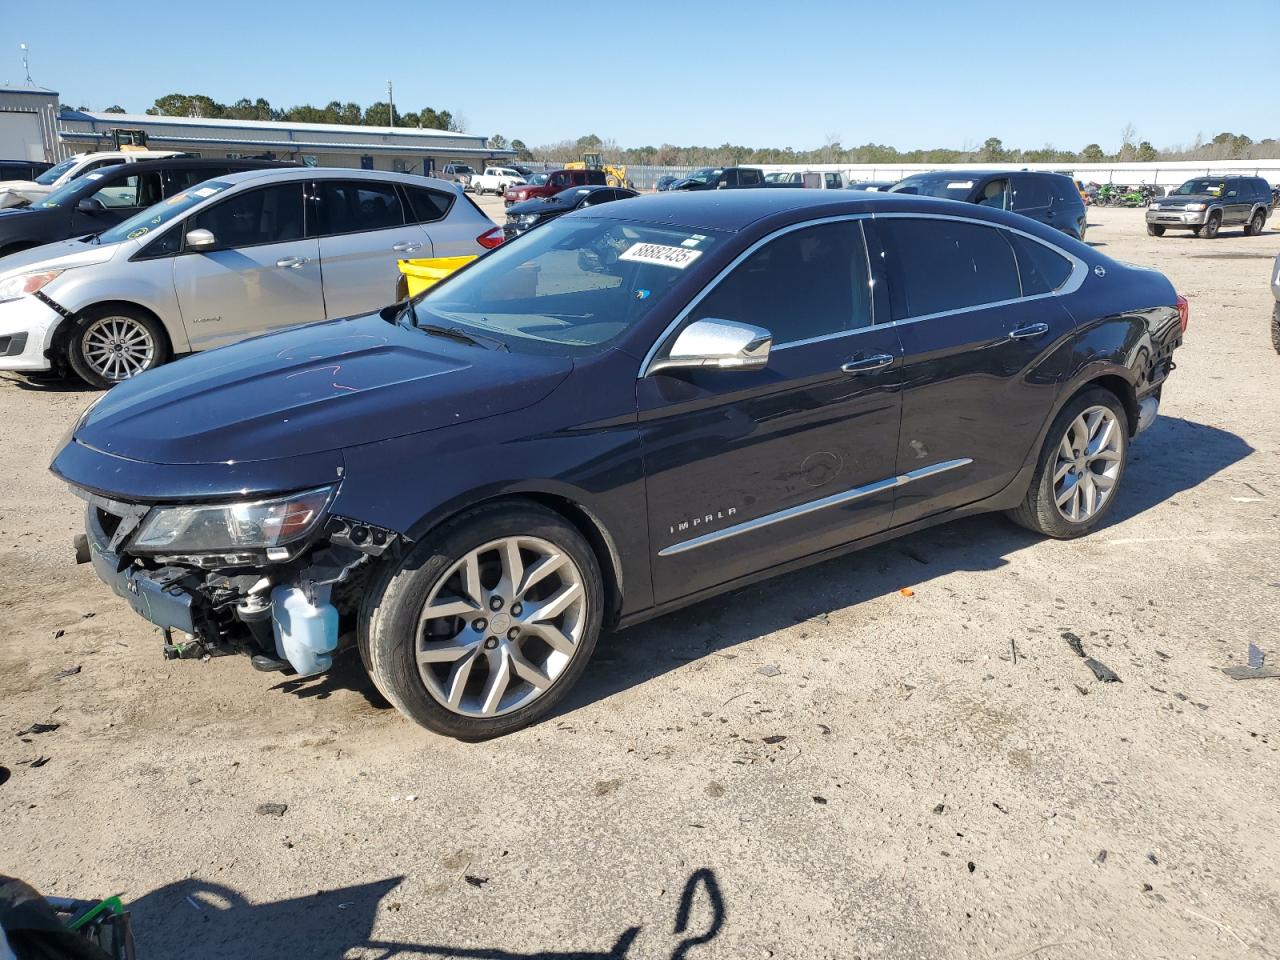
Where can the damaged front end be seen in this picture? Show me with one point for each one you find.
(276, 578)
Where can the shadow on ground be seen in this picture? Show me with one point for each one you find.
(198, 920)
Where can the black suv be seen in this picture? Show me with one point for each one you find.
(1051, 198)
(107, 196)
(1206, 204)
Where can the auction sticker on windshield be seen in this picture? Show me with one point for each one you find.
(661, 255)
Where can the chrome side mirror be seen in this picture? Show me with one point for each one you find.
(722, 344)
(200, 239)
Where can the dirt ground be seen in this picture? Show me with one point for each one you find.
(819, 766)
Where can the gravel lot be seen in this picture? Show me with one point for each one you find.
(819, 766)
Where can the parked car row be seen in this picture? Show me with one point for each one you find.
(258, 247)
(584, 403)
(20, 193)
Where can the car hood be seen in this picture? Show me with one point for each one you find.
(538, 205)
(312, 389)
(1185, 198)
(62, 255)
(15, 193)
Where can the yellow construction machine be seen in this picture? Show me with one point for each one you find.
(615, 176)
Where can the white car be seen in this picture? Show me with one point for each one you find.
(496, 180)
(20, 193)
(227, 259)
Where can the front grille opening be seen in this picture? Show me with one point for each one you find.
(108, 521)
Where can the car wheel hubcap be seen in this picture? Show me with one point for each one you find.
(1087, 464)
(117, 348)
(501, 626)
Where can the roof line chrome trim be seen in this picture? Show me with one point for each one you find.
(836, 499)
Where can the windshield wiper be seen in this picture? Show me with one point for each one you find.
(460, 336)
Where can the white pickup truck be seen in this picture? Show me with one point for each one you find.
(496, 180)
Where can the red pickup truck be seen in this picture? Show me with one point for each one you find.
(549, 184)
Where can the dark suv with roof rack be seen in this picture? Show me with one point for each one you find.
(1050, 198)
(107, 196)
(1204, 205)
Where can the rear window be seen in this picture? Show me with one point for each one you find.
(950, 188)
(428, 205)
(939, 266)
(1040, 269)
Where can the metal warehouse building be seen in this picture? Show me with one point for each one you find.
(29, 124)
(404, 149)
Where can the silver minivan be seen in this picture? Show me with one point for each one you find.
(227, 259)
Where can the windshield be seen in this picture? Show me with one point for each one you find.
(572, 194)
(706, 175)
(1204, 185)
(153, 218)
(69, 194)
(538, 179)
(54, 172)
(952, 188)
(569, 287)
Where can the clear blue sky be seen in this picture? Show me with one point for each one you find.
(778, 73)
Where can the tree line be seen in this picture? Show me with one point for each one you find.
(375, 115)
(1224, 146)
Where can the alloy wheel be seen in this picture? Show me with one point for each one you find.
(501, 626)
(1087, 464)
(118, 348)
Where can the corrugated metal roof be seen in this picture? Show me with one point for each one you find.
(321, 146)
(41, 91)
(139, 119)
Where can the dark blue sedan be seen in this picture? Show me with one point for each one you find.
(634, 407)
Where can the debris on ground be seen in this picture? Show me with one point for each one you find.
(972, 866)
(69, 672)
(1256, 670)
(271, 809)
(940, 808)
(776, 738)
(769, 670)
(820, 800)
(1256, 657)
(39, 728)
(35, 764)
(475, 881)
(4, 775)
(1100, 670)
(1003, 809)
(907, 592)
(58, 633)
(1101, 858)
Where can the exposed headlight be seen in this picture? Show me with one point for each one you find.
(216, 528)
(1195, 207)
(528, 219)
(22, 284)
(1154, 206)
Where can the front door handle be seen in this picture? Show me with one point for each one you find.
(294, 262)
(406, 246)
(1030, 331)
(867, 364)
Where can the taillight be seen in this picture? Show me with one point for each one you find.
(1184, 312)
(490, 238)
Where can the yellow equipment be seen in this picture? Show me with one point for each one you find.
(615, 176)
(419, 275)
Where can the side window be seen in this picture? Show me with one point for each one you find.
(936, 266)
(166, 244)
(833, 181)
(429, 205)
(1039, 268)
(1232, 189)
(558, 181)
(175, 181)
(268, 215)
(808, 283)
(90, 167)
(1030, 193)
(994, 194)
(749, 178)
(141, 190)
(355, 206)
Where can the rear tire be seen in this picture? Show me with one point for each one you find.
(111, 344)
(1155, 230)
(1073, 481)
(417, 659)
(1211, 226)
(1256, 224)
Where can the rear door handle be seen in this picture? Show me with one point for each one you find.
(1030, 331)
(294, 262)
(406, 246)
(867, 364)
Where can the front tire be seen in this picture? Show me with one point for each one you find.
(111, 344)
(1155, 230)
(1080, 467)
(1256, 224)
(486, 624)
(1211, 226)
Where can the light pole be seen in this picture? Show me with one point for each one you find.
(391, 104)
(25, 64)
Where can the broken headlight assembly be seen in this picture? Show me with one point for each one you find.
(272, 525)
(22, 284)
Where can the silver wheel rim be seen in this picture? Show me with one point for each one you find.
(501, 627)
(117, 348)
(1087, 465)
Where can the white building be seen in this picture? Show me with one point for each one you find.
(29, 124)
(404, 149)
